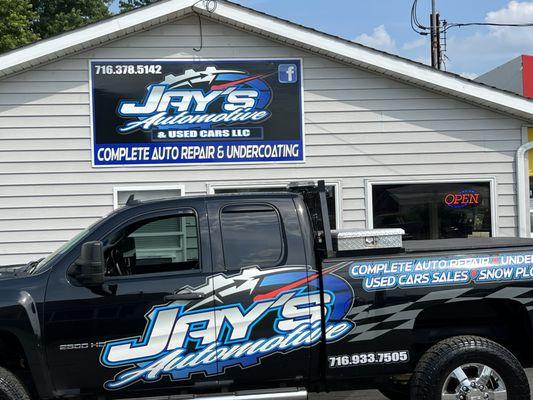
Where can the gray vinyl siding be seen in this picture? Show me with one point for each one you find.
(358, 125)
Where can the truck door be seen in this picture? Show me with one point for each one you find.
(268, 319)
(142, 329)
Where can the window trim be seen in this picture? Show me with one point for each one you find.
(169, 212)
(283, 255)
(118, 189)
(526, 178)
(212, 187)
(369, 183)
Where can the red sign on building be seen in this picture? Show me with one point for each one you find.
(527, 73)
(462, 199)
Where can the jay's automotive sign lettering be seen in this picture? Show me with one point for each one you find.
(172, 112)
(222, 330)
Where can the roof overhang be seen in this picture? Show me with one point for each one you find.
(92, 35)
(279, 30)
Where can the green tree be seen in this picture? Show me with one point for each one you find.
(127, 5)
(57, 16)
(17, 17)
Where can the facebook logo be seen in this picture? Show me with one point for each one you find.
(287, 73)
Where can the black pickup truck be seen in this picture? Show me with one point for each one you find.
(250, 296)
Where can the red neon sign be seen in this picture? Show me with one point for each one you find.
(462, 199)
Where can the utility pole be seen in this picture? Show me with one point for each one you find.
(435, 36)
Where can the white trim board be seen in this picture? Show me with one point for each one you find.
(274, 28)
(148, 188)
(92, 35)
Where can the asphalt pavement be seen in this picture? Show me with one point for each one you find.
(374, 395)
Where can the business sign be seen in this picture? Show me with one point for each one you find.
(462, 199)
(178, 112)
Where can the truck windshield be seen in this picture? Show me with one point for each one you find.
(41, 265)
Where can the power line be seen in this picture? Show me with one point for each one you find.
(434, 30)
(460, 25)
(415, 23)
(438, 31)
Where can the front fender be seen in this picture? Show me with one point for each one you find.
(21, 317)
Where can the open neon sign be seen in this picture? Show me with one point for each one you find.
(462, 199)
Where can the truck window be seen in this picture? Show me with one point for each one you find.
(163, 244)
(251, 235)
(331, 197)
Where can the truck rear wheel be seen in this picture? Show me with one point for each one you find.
(469, 368)
(11, 388)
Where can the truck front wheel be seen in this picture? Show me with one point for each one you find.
(11, 388)
(469, 368)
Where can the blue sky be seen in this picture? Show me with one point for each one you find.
(385, 24)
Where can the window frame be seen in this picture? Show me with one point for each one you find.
(337, 184)
(163, 214)
(526, 181)
(283, 255)
(370, 183)
(118, 189)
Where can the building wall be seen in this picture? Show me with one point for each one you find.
(508, 76)
(358, 126)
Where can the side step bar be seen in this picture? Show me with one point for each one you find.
(292, 395)
(285, 394)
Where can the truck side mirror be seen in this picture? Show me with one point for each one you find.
(89, 268)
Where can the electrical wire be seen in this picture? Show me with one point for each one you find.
(198, 49)
(415, 23)
(415, 15)
(460, 25)
(424, 30)
(210, 6)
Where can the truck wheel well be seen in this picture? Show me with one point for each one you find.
(503, 321)
(12, 356)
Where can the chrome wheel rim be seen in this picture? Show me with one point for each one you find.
(474, 382)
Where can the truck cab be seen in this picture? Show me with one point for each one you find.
(184, 274)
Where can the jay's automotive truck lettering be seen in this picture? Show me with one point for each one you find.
(201, 295)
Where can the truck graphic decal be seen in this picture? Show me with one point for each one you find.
(219, 331)
(374, 322)
(443, 271)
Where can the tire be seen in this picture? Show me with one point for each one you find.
(11, 388)
(438, 369)
(396, 391)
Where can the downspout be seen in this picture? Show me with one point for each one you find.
(523, 208)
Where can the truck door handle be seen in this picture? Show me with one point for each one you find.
(184, 296)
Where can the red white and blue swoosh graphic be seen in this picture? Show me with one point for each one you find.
(238, 307)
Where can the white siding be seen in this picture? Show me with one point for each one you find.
(359, 125)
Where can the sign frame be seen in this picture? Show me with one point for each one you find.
(155, 166)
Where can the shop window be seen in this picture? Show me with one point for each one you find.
(144, 193)
(331, 195)
(163, 244)
(434, 210)
(251, 235)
